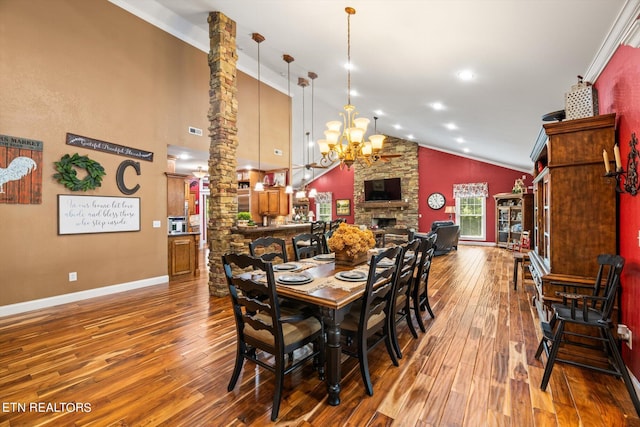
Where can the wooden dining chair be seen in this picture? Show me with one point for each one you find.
(306, 245)
(333, 225)
(366, 324)
(587, 309)
(402, 293)
(269, 248)
(318, 227)
(261, 324)
(420, 287)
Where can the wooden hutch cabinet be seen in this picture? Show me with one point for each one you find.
(514, 215)
(574, 205)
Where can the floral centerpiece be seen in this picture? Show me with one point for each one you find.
(351, 244)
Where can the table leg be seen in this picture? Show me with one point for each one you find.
(332, 319)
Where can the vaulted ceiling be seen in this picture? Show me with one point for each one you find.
(406, 55)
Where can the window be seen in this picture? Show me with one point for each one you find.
(471, 209)
(471, 214)
(323, 207)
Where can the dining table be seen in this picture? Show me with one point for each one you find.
(333, 295)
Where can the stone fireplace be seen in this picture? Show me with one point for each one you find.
(402, 213)
(383, 222)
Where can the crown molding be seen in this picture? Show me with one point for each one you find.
(625, 30)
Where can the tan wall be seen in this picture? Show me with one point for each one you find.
(93, 69)
(274, 124)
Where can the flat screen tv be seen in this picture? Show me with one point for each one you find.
(382, 189)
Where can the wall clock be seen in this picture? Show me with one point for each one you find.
(436, 200)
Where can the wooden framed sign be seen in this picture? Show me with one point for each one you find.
(97, 214)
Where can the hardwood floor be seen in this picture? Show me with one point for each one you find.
(163, 355)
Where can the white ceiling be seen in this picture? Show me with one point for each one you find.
(406, 53)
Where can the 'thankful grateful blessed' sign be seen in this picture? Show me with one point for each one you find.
(108, 147)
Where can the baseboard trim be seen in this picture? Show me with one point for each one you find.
(21, 307)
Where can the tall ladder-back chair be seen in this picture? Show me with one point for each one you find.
(307, 245)
(420, 287)
(269, 248)
(402, 293)
(367, 325)
(262, 325)
(587, 312)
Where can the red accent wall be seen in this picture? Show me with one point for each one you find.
(439, 171)
(340, 184)
(619, 92)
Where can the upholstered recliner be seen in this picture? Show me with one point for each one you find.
(448, 234)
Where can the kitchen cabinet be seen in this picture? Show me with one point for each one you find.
(273, 202)
(177, 194)
(183, 255)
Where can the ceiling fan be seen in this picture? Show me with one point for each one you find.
(383, 157)
(309, 166)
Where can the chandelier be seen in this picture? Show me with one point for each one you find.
(348, 145)
(200, 173)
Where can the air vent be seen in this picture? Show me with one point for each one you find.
(195, 131)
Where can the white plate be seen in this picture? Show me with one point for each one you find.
(285, 267)
(325, 257)
(352, 276)
(294, 279)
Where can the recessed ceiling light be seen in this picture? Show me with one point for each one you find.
(379, 113)
(466, 150)
(466, 75)
(460, 140)
(410, 136)
(397, 127)
(353, 92)
(184, 156)
(349, 66)
(451, 126)
(437, 106)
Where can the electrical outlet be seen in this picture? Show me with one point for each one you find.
(156, 224)
(73, 276)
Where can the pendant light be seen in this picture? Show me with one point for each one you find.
(303, 83)
(258, 39)
(289, 59)
(312, 191)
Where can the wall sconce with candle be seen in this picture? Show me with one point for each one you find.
(626, 182)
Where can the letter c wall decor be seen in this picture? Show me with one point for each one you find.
(120, 176)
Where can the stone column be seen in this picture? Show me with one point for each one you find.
(223, 133)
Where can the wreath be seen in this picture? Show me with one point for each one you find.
(68, 176)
